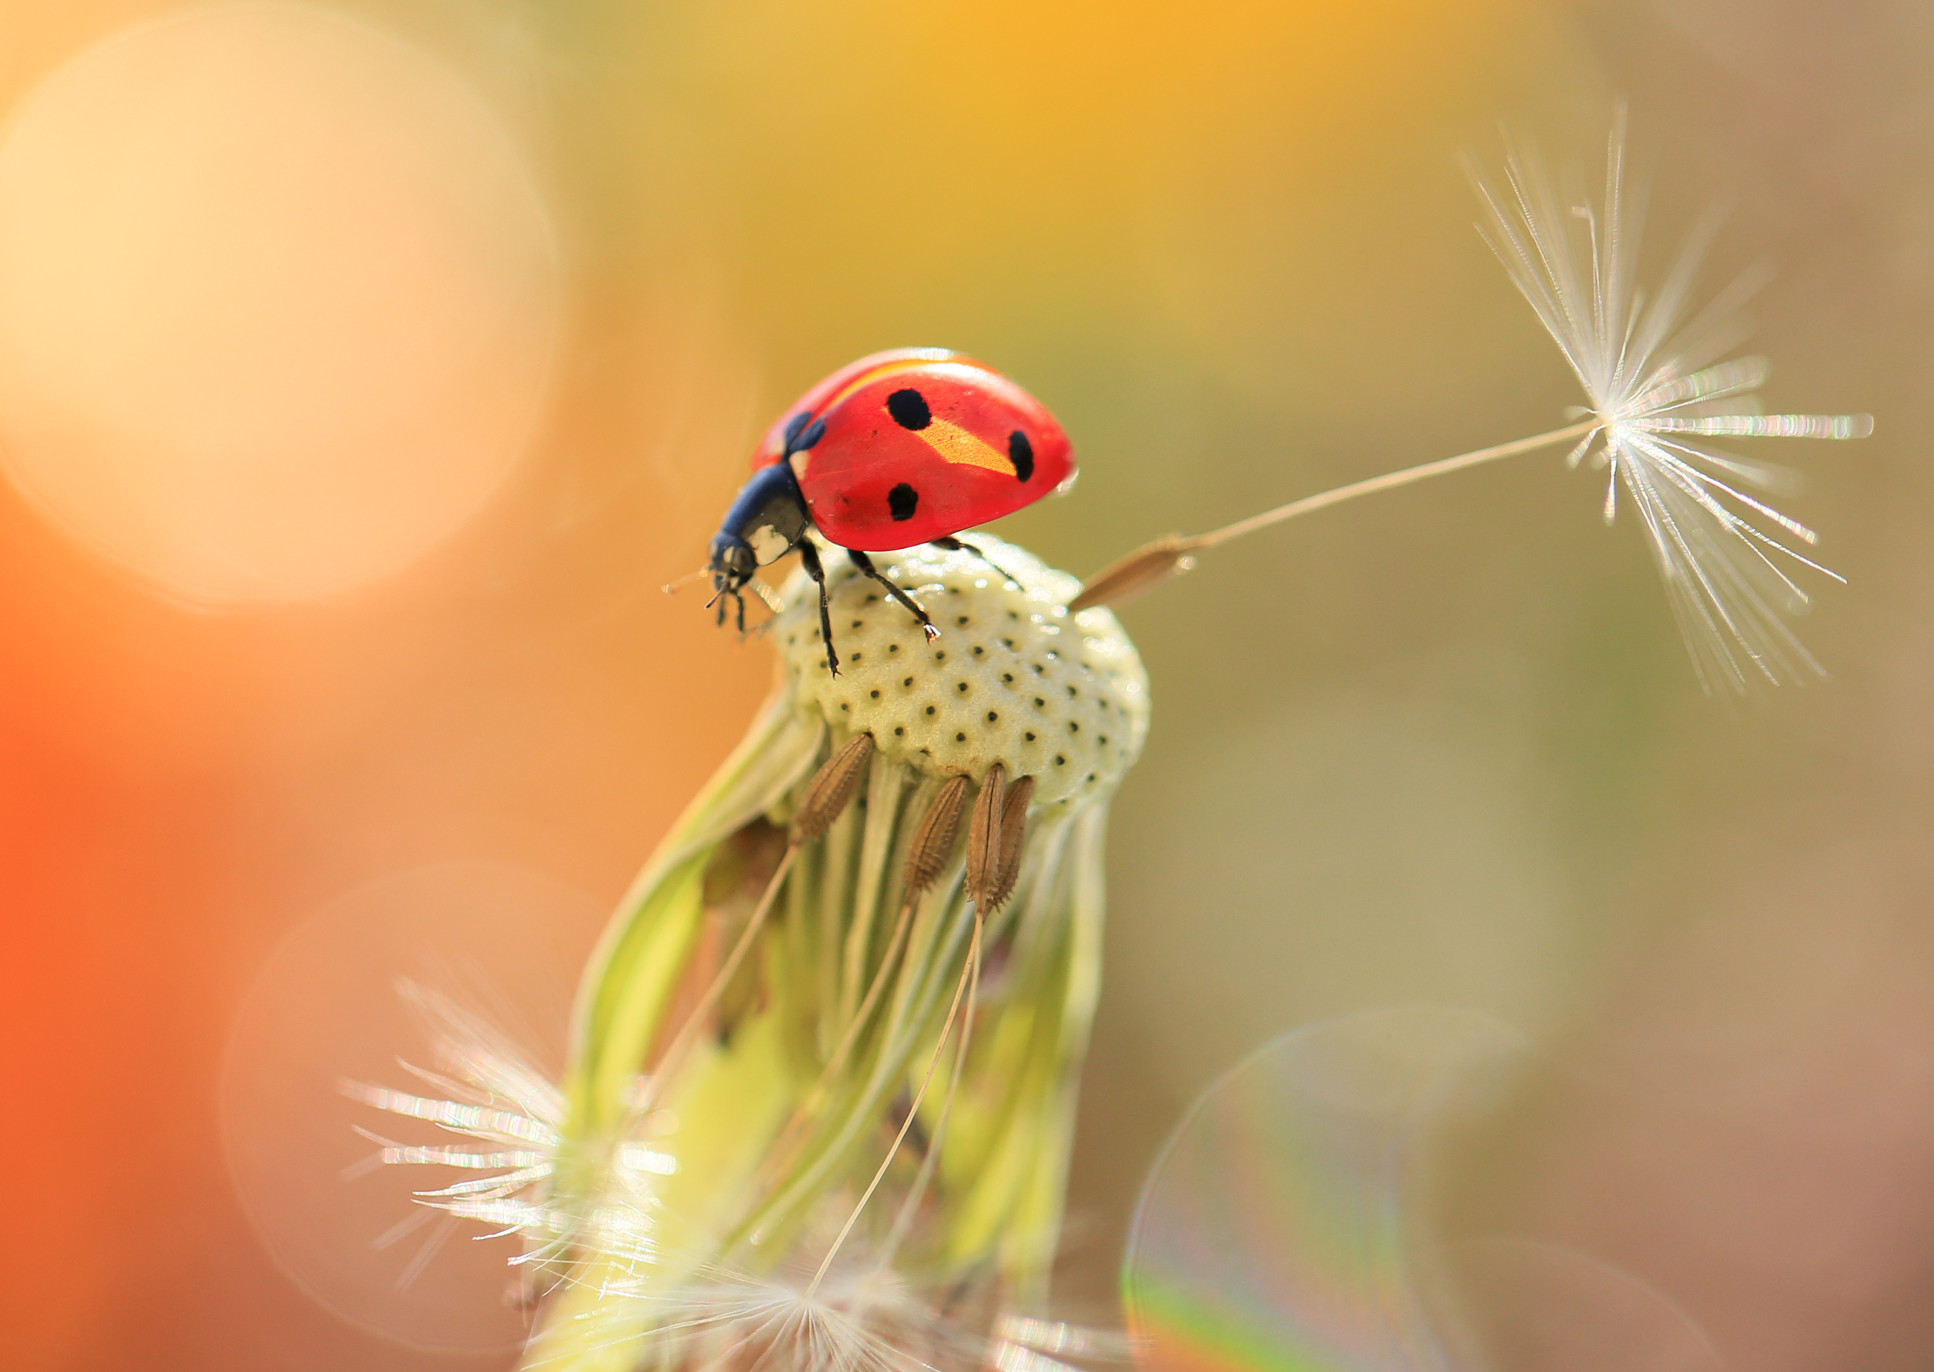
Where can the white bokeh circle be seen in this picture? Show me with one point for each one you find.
(500, 942)
(278, 302)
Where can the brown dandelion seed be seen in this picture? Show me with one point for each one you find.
(832, 788)
(984, 838)
(1013, 838)
(933, 838)
(1145, 568)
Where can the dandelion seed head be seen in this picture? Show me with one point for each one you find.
(796, 1134)
(1660, 387)
(1014, 677)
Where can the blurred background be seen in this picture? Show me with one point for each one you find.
(366, 368)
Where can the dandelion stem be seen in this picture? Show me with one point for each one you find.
(1167, 557)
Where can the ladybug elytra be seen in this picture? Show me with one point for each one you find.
(897, 449)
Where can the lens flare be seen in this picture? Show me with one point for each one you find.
(1287, 1226)
(1279, 1232)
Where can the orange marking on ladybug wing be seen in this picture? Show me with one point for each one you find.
(958, 445)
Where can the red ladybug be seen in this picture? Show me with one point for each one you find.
(898, 448)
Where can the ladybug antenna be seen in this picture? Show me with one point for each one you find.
(671, 587)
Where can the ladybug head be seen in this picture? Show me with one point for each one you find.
(733, 563)
(764, 524)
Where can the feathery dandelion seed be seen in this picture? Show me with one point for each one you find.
(1659, 388)
(508, 1114)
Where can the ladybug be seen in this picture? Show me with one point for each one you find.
(896, 449)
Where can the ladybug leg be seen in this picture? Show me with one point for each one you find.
(865, 564)
(772, 603)
(809, 558)
(955, 545)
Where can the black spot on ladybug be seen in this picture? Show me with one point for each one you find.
(1021, 453)
(902, 501)
(909, 409)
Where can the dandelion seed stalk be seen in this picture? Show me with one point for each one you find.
(1153, 563)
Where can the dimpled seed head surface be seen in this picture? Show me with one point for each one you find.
(1013, 678)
